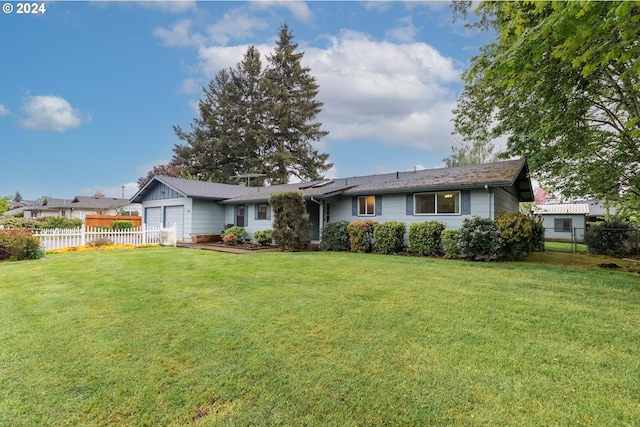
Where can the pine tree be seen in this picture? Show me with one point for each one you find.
(291, 93)
(257, 122)
(17, 198)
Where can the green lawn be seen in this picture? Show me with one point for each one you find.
(164, 336)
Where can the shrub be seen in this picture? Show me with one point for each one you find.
(18, 245)
(537, 235)
(361, 235)
(335, 236)
(516, 231)
(450, 244)
(479, 240)
(425, 237)
(119, 225)
(61, 222)
(614, 238)
(291, 224)
(389, 237)
(100, 241)
(234, 235)
(21, 223)
(263, 237)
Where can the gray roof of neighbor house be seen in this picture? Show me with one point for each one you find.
(591, 208)
(499, 174)
(191, 188)
(81, 202)
(98, 202)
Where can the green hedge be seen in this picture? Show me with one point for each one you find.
(122, 225)
(614, 238)
(263, 237)
(335, 236)
(425, 237)
(389, 237)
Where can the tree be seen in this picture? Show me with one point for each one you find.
(257, 122)
(5, 204)
(17, 198)
(291, 224)
(468, 153)
(561, 82)
(292, 107)
(163, 169)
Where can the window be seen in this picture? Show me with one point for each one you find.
(240, 216)
(262, 211)
(562, 225)
(366, 206)
(443, 202)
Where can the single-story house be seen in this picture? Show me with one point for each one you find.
(568, 221)
(448, 195)
(81, 206)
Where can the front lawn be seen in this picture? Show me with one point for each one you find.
(175, 337)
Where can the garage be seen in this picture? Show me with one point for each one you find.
(153, 217)
(175, 215)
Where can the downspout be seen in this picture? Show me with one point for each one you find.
(489, 194)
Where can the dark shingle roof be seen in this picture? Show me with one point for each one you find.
(508, 173)
(191, 188)
(497, 174)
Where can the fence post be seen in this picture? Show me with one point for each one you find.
(83, 235)
(143, 227)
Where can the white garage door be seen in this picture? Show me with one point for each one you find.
(153, 217)
(175, 215)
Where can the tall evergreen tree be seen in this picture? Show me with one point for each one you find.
(257, 122)
(291, 93)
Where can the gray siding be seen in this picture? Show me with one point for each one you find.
(187, 205)
(577, 221)
(505, 202)
(207, 217)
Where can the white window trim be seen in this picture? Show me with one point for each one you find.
(374, 206)
(415, 204)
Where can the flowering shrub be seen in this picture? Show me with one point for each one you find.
(230, 239)
(18, 245)
(234, 235)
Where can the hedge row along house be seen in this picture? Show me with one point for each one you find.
(448, 195)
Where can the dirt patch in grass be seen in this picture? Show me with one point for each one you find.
(582, 260)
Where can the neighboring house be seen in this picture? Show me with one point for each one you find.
(81, 206)
(568, 221)
(448, 195)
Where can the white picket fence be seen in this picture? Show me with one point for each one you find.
(58, 238)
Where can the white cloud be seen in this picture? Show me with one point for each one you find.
(4, 111)
(298, 9)
(50, 112)
(398, 94)
(405, 31)
(234, 25)
(178, 35)
(172, 6)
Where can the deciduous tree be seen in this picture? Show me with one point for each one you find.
(561, 81)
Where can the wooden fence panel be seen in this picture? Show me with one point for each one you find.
(107, 220)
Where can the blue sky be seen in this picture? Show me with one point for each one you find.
(89, 91)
